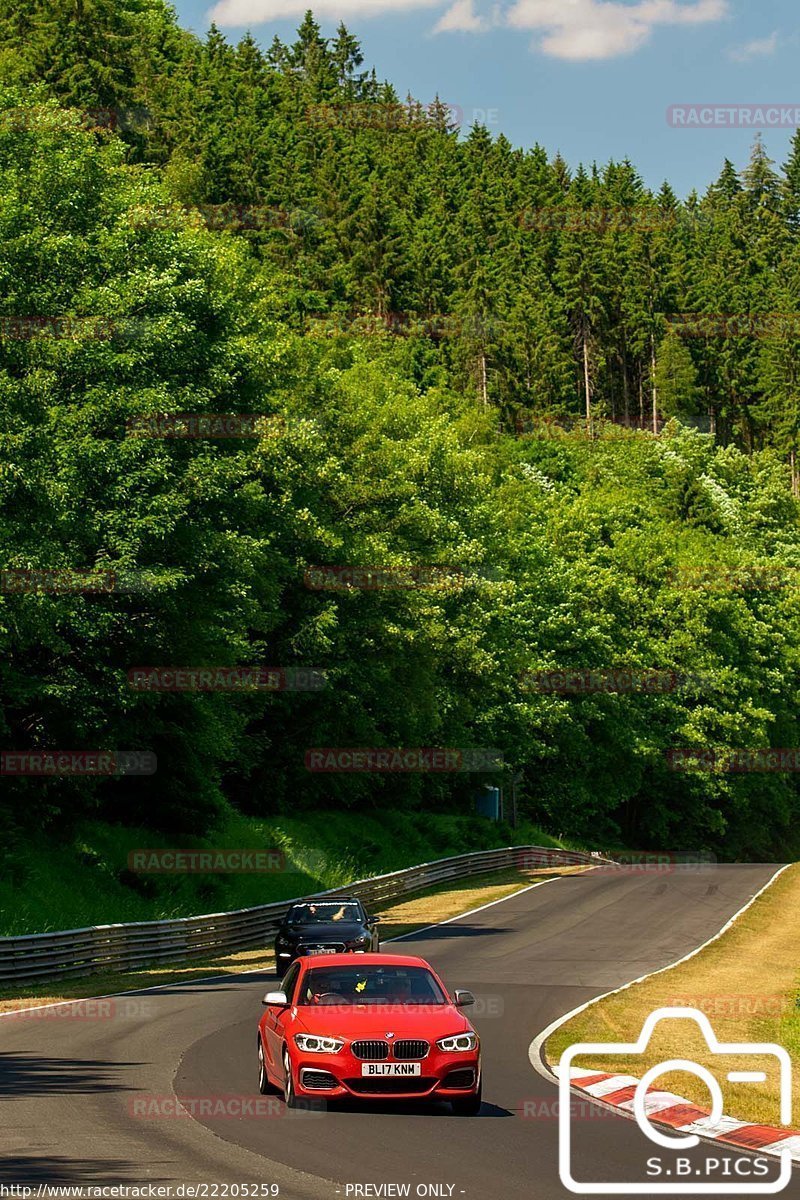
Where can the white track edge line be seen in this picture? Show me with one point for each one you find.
(536, 1048)
(537, 1045)
(234, 975)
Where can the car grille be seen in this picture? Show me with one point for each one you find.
(373, 1051)
(388, 1085)
(322, 1080)
(463, 1078)
(410, 1049)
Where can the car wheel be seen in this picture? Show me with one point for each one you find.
(470, 1106)
(288, 1081)
(263, 1077)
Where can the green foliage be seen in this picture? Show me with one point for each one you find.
(86, 879)
(676, 379)
(393, 450)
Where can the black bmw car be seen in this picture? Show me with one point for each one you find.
(338, 926)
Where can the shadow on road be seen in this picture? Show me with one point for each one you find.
(25, 1169)
(28, 1075)
(438, 933)
(404, 1108)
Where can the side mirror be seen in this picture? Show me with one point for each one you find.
(374, 920)
(275, 999)
(463, 998)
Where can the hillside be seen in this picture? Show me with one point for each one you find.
(407, 359)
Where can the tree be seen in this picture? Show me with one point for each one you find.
(676, 378)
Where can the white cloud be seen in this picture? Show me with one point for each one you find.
(461, 17)
(245, 13)
(581, 30)
(759, 48)
(578, 30)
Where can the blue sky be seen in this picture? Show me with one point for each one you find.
(591, 78)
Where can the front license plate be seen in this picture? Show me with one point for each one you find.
(323, 950)
(383, 1068)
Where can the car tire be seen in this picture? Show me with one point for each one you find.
(289, 1094)
(469, 1106)
(264, 1085)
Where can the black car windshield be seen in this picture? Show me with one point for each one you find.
(312, 914)
(370, 985)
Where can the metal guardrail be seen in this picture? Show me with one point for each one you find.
(132, 945)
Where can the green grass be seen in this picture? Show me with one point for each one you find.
(87, 881)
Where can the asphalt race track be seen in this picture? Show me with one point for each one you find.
(70, 1087)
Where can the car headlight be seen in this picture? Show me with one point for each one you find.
(359, 941)
(458, 1041)
(312, 1043)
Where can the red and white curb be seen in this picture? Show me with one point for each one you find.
(665, 1108)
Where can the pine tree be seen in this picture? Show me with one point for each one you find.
(676, 378)
(791, 184)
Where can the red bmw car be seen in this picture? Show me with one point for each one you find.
(371, 1026)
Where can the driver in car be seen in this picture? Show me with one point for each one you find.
(400, 990)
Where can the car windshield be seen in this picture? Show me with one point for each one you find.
(370, 985)
(309, 914)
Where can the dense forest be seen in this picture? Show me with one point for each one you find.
(526, 388)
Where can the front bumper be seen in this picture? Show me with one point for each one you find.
(285, 958)
(444, 1075)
